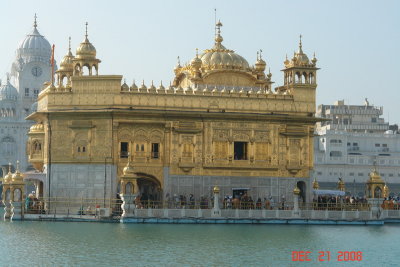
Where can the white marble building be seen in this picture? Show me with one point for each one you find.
(351, 143)
(18, 94)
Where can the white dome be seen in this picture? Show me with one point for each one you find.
(8, 92)
(34, 45)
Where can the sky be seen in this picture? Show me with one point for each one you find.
(356, 42)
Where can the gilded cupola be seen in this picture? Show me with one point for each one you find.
(86, 57)
(220, 67)
(66, 63)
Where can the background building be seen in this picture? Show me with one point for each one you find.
(348, 145)
(220, 123)
(18, 95)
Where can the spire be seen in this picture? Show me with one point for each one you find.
(218, 37)
(86, 35)
(300, 45)
(197, 52)
(9, 167)
(260, 53)
(17, 168)
(35, 22)
(69, 44)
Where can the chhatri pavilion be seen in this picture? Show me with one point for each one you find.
(219, 123)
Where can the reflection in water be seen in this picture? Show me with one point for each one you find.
(104, 244)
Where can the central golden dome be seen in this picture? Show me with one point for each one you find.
(220, 57)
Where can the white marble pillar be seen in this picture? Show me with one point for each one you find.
(296, 210)
(17, 211)
(216, 211)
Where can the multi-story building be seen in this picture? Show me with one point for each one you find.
(18, 95)
(219, 123)
(349, 144)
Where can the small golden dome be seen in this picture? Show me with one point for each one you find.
(86, 50)
(260, 63)
(315, 184)
(8, 176)
(152, 87)
(143, 87)
(17, 176)
(134, 86)
(161, 87)
(216, 189)
(296, 191)
(196, 61)
(66, 63)
(38, 127)
(124, 86)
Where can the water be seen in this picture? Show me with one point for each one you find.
(106, 244)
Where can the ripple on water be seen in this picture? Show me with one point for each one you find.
(103, 244)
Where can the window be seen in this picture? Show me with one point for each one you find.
(124, 152)
(335, 154)
(35, 92)
(384, 145)
(373, 119)
(240, 150)
(377, 145)
(383, 175)
(142, 147)
(360, 174)
(155, 150)
(26, 91)
(355, 144)
(390, 174)
(351, 174)
(319, 173)
(348, 144)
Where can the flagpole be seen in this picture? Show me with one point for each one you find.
(52, 65)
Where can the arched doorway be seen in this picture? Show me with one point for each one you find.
(302, 186)
(149, 187)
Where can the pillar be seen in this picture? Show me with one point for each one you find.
(296, 210)
(216, 211)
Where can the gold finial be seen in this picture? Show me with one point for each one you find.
(197, 52)
(86, 35)
(218, 26)
(9, 167)
(69, 44)
(35, 22)
(300, 45)
(260, 53)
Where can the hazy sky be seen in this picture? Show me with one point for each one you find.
(357, 43)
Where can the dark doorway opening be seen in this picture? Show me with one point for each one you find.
(240, 150)
(239, 192)
(302, 186)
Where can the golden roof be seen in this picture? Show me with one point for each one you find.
(17, 176)
(86, 50)
(8, 176)
(66, 63)
(38, 127)
(222, 58)
(300, 59)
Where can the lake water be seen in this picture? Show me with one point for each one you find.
(107, 244)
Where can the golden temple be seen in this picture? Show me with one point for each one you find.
(219, 123)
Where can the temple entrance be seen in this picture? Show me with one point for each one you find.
(302, 186)
(239, 192)
(149, 188)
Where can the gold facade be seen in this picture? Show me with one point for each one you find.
(220, 117)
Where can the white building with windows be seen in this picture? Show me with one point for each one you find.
(18, 94)
(350, 143)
